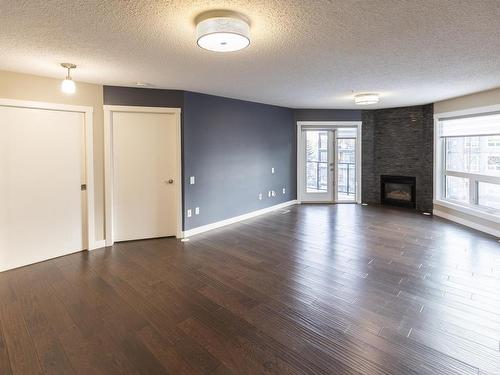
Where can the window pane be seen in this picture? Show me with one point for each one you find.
(457, 188)
(346, 168)
(317, 161)
(480, 155)
(488, 195)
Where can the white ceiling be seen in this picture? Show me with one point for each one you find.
(307, 54)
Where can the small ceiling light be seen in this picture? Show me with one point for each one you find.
(68, 85)
(225, 32)
(366, 99)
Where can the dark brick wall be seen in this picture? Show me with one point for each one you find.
(398, 141)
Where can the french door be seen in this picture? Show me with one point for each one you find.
(329, 164)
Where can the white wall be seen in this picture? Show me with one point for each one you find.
(480, 99)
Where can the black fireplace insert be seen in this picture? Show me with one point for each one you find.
(397, 190)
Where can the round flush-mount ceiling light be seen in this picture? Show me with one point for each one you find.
(222, 31)
(366, 99)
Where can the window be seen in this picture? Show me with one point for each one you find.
(472, 155)
(470, 162)
(457, 188)
(488, 195)
(494, 142)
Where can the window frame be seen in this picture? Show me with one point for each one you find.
(440, 171)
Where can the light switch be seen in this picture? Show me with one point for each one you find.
(189, 213)
(269, 193)
(272, 170)
(197, 211)
(273, 193)
(284, 191)
(191, 180)
(260, 196)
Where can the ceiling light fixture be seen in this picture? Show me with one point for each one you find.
(68, 85)
(366, 99)
(222, 31)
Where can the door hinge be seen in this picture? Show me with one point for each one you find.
(83, 187)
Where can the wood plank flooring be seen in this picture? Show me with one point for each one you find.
(313, 289)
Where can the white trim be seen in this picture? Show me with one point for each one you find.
(335, 177)
(236, 219)
(329, 125)
(468, 223)
(481, 213)
(474, 176)
(137, 109)
(108, 163)
(89, 209)
(45, 105)
(99, 244)
(338, 124)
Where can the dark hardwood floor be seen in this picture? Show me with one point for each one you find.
(313, 289)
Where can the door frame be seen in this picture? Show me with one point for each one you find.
(328, 125)
(88, 208)
(109, 163)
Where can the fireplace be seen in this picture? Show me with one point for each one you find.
(397, 190)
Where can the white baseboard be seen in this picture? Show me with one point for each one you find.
(467, 223)
(97, 245)
(222, 223)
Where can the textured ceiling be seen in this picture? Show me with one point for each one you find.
(308, 54)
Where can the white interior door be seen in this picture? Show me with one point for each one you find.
(144, 170)
(41, 172)
(317, 173)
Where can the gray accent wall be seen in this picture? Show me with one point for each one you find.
(327, 115)
(229, 146)
(135, 96)
(398, 141)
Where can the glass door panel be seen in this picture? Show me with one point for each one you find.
(318, 180)
(346, 170)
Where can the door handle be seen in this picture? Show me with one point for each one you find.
(171, 181)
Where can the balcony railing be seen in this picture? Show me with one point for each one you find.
(317, 180)
(347, 178)
(317, 172)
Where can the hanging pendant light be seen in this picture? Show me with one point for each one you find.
(68, 85)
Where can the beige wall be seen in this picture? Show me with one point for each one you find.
(28, 87)
(480, 99)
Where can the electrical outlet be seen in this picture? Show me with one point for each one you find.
(260, 196)
(272, 170)
(189, 213)
(273, 193)
(191, 180)
(197, 211)
(284, 191)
